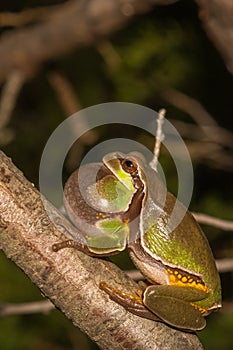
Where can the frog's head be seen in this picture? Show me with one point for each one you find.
(127, 169)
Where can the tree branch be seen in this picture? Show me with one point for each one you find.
(72, 25)
(70, 279)
(212, 142)
(217, 20)
(158, 139)
(9, 96)
(44, 306)
(82, 23)
(16, 19)
(226, 225)
(212, 131)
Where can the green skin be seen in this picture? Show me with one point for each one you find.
(129, 207)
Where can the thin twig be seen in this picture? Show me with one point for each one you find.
(189, 105)
(109, 54)
(214, 143)
(217, 21)
(10, 93)
(74, 24)
(136, 275)
(70, 103)
(159, 138)
(11, 19)
(44, 307)
(226, 225)
(69, 100)
(206, 122)
(210, 154)
(65, 92)
(224, 265)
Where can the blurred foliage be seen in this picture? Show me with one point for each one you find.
(164, 48)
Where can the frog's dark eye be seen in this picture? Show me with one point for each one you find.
(130, 166)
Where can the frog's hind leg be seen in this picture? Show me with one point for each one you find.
(131, 302)
(174, 306)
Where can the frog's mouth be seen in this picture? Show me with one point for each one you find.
(102, 172)
(113, 162)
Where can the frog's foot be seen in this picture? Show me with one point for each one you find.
(176, 306)
(143, 285)
(130, 302)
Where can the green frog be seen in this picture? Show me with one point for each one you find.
(122, 203)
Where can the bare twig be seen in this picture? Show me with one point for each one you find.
(10, 19)
(226, 225)
(216, 140)
(224, 265)
(210, 154)
(109, 54)
(44, 307)
(189, 130)
(136, 275)
(158, 139)
(201, 148)
(10, 93)
(69, 100)
(65, 93)
(218, 22)
(189, 105)
(205, 121)
(74, 24)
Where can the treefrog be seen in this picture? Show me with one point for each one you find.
(122, 203)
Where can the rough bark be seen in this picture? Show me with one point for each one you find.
(70, 279)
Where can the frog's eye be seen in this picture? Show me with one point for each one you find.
(129, 166)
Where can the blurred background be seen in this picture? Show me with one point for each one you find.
(157, 56)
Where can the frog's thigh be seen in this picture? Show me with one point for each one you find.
(172, 305)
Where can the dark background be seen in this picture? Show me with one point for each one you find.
(166, 48)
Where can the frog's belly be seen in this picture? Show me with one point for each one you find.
(153, 271)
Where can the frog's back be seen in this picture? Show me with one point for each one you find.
(184, 246)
